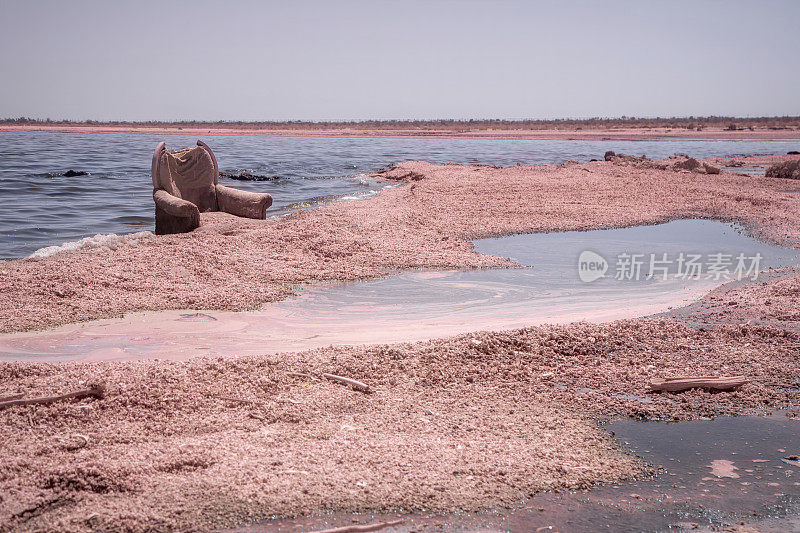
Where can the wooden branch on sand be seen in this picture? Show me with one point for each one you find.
(363, 387)
(362, 528)
(94, 391)
(679, 384)
(11, 397)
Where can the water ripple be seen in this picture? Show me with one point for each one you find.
(41, 207)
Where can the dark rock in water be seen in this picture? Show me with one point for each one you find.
(609, 155)
(787, 169)
(793, 152)
(593, 160)
(72, 173)
(247, 176)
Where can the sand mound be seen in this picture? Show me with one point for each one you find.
(470, 422)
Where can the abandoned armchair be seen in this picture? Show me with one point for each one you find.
(185, 184)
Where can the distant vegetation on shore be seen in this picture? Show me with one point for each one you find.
(689, 123)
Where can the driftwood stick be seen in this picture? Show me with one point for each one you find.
(94, 391)
(363, 387)
(362, 528)
(692, 377)
(11, 397)
(679, 384)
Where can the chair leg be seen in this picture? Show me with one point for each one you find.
(167, 224)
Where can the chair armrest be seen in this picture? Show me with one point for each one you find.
(175, 206)
(243, 203)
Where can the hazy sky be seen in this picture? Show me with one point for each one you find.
(260, 60)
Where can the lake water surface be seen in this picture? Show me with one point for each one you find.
(43, 208)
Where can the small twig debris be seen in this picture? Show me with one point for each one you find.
(363, 387)
(679, 384)
(11, 397)
(94, 391)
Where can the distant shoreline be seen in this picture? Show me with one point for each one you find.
(411, 132)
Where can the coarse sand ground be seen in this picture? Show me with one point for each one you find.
(470, 422)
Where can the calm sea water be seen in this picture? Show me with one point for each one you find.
(42, 208)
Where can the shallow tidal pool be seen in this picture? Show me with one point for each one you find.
(595, 276)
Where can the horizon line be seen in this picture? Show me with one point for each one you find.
(387, 121)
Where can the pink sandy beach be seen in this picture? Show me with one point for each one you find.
(473, 421)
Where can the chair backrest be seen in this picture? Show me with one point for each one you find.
(190, 174)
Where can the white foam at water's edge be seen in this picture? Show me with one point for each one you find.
(110, 241)
(366, 194)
